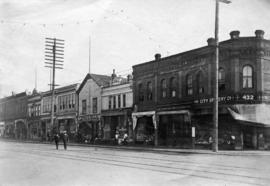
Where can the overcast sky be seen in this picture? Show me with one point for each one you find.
(123, 33)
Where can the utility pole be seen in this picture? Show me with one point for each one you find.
(216, 67)
(54, 58)
(89, 54)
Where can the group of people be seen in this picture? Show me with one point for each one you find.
(57, 139)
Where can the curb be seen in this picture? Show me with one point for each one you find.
(158, 150)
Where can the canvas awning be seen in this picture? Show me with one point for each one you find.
(252, 114)
(136, 115)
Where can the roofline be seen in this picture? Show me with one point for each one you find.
(199, 49)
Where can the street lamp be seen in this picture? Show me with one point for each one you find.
(216, 66)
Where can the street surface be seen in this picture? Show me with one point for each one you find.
(27, 164)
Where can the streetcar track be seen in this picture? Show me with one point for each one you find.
(220, 166)
(108, 161)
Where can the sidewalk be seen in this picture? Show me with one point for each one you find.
(166, 150)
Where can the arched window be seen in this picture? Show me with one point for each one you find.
(247, 77)
(163, 88)
(221, 79)
(200, 85)
(149, 91)
(173, 87)
(140, 90)
(189, 86)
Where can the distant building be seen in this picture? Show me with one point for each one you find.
(89, 106)
(13, 113)
(116, 107)
(175, 93)
(33, 116)
(65, 111)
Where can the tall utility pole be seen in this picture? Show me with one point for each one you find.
(54, 59)
(216, 67)
(89, 54)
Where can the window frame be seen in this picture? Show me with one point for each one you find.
(247, 77)
(163, 88)
(189, 84)
(173, 87)
(149, 91)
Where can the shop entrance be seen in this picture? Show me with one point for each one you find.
(21, 130)
(174, 130)
(145, 130)
(248, 135)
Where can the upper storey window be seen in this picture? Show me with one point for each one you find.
(149, 91)
(247, 77)
(221, 79)
(163, 88)
(189, 86)
(173, 87)
(200, 85)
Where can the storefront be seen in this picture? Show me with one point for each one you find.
(9, 131)
(34, 128)
(145, 127)
(116, 122)
(254, 122)
(174, 128)
(89, 128)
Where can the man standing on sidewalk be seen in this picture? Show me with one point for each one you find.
(65, 139)
(56, 140)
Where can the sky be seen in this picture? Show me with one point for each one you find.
(110, 34)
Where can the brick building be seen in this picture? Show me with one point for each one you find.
(175, 93)
(13, 113)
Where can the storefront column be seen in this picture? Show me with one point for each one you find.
(155, 122)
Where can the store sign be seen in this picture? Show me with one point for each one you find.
(231, 98)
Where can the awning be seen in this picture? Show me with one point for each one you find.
(255, 114)
(173, 112)
(136, 115)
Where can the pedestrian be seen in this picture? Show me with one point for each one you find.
(56, 140)
(65, 139)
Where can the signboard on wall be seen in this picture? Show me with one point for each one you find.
(249, 98)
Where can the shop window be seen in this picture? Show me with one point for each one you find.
(94, 105)
(114, 102)
(84, 106)
(149, 91)
(140, 90)
(163, 88)
(119, 101)
(110, 102)
(189, 85)
(124, 100)
(200, 84)
(173, 87)
(221, 80)
(247, 77)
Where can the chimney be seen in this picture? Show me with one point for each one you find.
(234, 34)
(259, 34)
(157, 56)
(211, 41)
(113, 76)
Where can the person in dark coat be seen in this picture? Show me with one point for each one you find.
(56, 140)
(65, 139)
